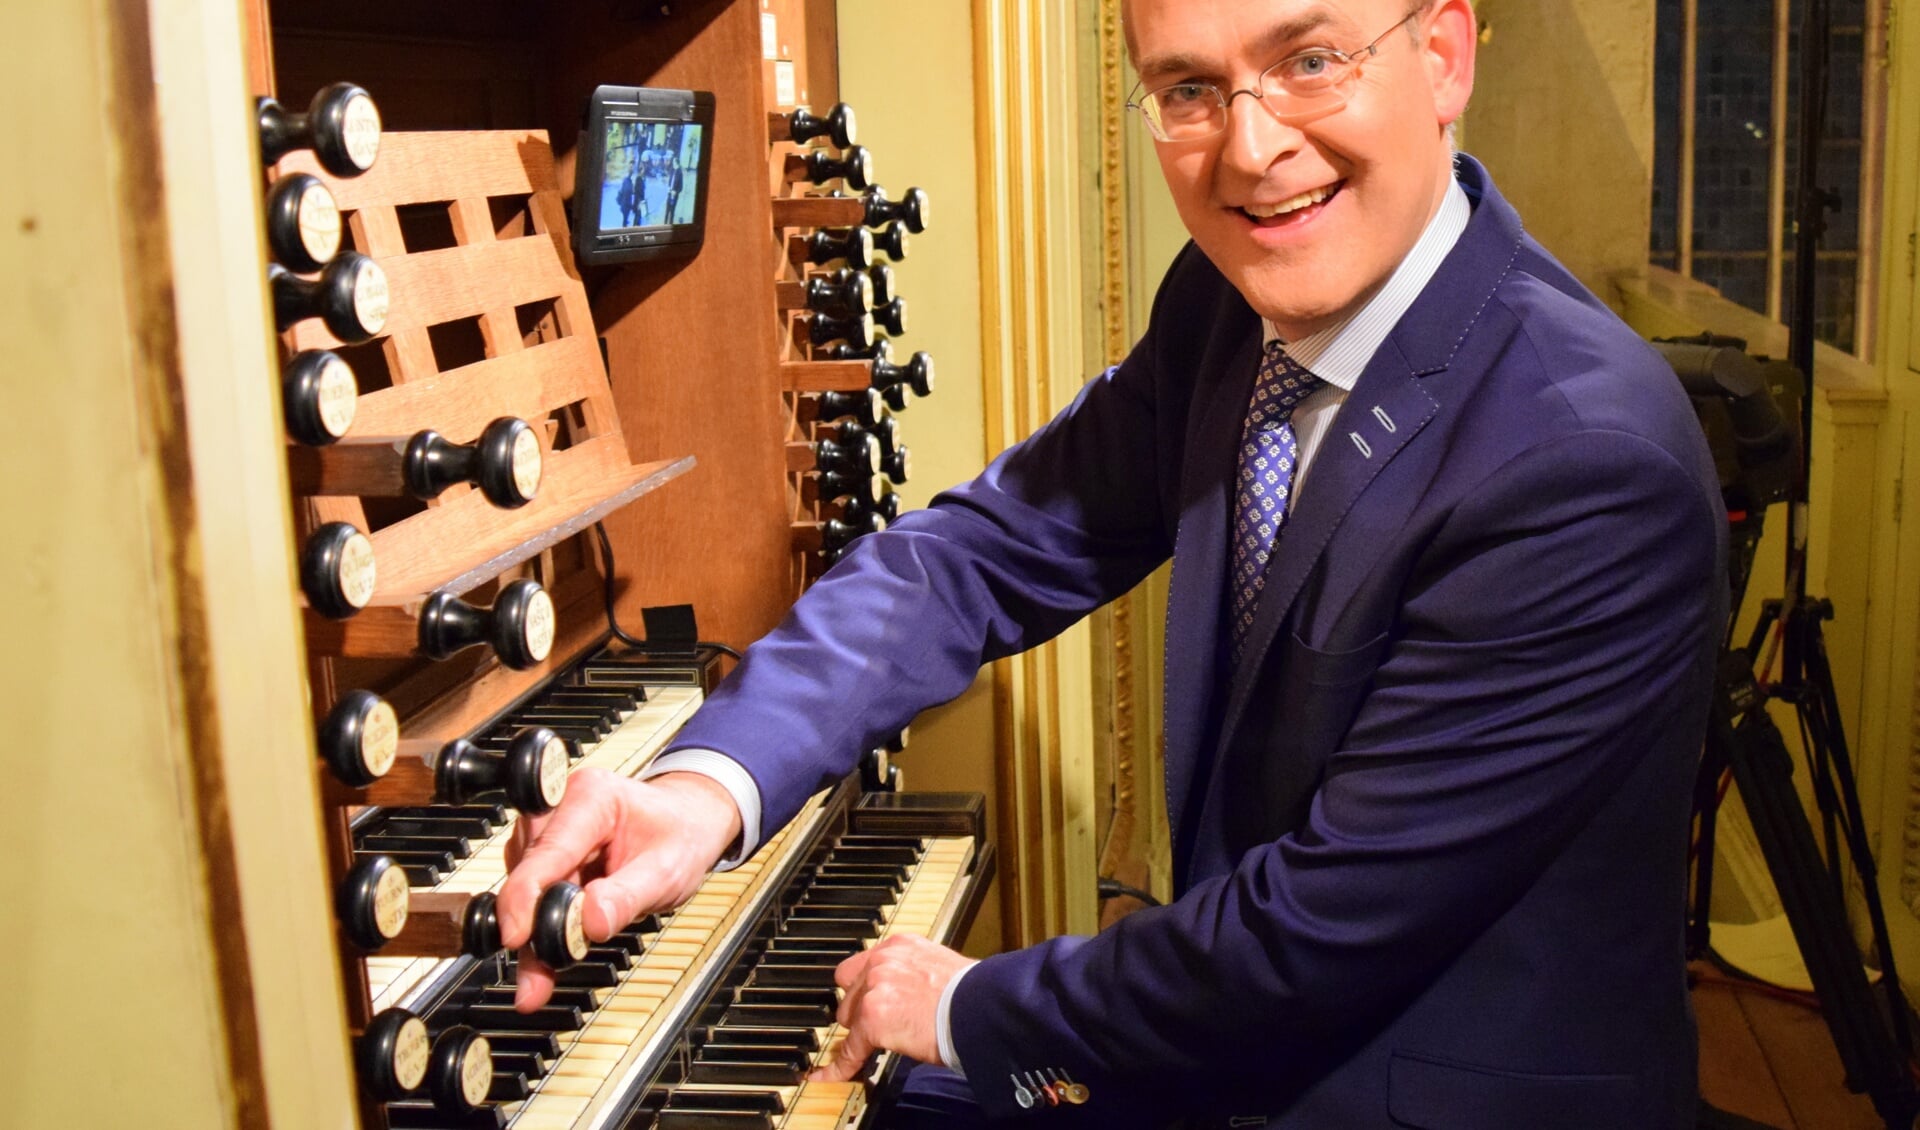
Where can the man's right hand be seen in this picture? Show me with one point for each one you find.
(636, 846)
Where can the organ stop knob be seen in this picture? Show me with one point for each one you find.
(319, 395)
(825, 329)
(303, 222)
(460, 1071)
(892, 317)
(911, 209)
(360, 738)
(372, 902)
(916, 374)
(559, 926)
(337, 570)
(855, 245)
(519, 626)
(885, 289)
(843, 292)
(862, 407)
(819, 166)
(350, 297)
(341, 126)
(392, 1054)
(892, 240)
(504, 462)
(837, 126)
(531, 773)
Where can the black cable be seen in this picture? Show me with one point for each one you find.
(613, 623)
(1114, 888)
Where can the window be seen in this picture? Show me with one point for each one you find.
(1726, 122)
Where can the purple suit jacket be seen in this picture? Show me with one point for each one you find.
(1430, 835)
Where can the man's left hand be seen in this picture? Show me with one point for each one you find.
(892, 998)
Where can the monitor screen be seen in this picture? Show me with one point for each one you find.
(641, 180)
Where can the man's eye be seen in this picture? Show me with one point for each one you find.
(1309, 67)
(1184, 94)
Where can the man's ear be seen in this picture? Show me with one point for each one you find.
(1452, 35)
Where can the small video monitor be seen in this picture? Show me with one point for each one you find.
(640, 188)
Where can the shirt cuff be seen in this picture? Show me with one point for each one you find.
(731, 776)
(943, 1023)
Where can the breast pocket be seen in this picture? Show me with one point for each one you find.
(1430, 1093)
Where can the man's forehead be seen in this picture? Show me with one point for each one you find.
(1161, 28)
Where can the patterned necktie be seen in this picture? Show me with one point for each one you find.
(1268, 452)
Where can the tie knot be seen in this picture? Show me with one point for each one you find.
(1283, 382)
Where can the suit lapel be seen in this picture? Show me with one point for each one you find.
(1199, 572)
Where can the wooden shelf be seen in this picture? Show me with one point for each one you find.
(472, 542)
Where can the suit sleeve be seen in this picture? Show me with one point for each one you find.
(1056, 526)
(1554, 629)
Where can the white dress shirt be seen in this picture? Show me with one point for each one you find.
(1337, 355)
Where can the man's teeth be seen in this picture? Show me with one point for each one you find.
(1268, 211)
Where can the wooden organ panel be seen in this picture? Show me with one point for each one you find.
(508, 401)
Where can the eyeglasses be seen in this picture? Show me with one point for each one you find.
(1297, 87)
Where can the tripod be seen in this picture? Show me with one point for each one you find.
(1871, 1034)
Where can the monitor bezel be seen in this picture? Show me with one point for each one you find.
(612, 103)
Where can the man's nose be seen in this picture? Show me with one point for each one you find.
(1255, 139)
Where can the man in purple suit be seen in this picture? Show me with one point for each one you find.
(1447, 585)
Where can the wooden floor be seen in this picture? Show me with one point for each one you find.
(1772, 1061)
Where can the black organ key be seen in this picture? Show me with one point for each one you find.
(604, 714)
(779, 1015)
(614, 700)
(845, 291)
(910, 210)
(680, 1119)
(459, 847)
(803, 1040)
(439, 860)
(725, 1100)
(589, 974)
(337, 570)
(852, 245)
(542, 1046)
(303, 223)
(420, 1116)
(341, 126)
(893, 873)
(350, 296)
(503, 1018)
(842, 894)
(518, 1063)
(892, 241)
(519, 626)
(802, 126)
(472, 827)
(779, 1055)
(855, 166)
(319, 394)
(747, 1073)
(793, 975)
(508, 1088)
(422, 876)
(802, 918)
(582, 999)
(788, 995)
(825, 329)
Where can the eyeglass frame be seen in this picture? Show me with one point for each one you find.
(1350, 60)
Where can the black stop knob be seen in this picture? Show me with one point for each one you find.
(892, 240)
(341, 126)
(862, 407)
(392, 1054)
(530, 774)
(910, 209)
(373, 902)
(319, 395)
(878, 773)
(825, 329)
(844, 484)
(892, 317)
(855, 245)
(836, 534)
(843, 292)
(350, 296)
(916, 374)
(480, 926)
(860, 456)
(303, 222)
(884, 431)
(360, 738)
(884, 284)
(898, 465)
(837, 126)
(559, 926)
(519, 626)
(855, 166)
(460, 1071)
(336, 570)
(505, 462)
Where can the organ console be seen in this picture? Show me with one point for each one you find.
(319, 395)
(505, 463)
(818, 166)
(349, 297)
(802, 126)
(337, 570)
(341, 126)
(303, 223)
(712, 1013)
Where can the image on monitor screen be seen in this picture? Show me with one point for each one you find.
(650, 174)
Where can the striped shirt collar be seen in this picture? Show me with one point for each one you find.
(1339, 353)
